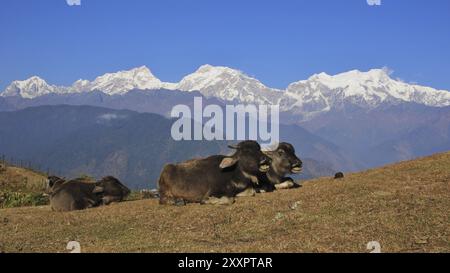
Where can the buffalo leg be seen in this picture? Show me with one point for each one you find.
(248, 192)
(167, 199)
(90, 203)
(224, 200)
(179, 202)
(110, 199)
(285, 185)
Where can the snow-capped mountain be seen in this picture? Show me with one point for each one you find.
(31, 88)
(322, 92)
(123, 81)
(229, 85)
(318, 94)
(118, 83)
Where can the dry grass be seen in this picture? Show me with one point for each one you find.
(404, 206)
(21, 187)
(19, 179)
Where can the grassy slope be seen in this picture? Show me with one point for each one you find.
(21, 187)
(404, 206)
(15, 179)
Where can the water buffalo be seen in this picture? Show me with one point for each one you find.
(111, 190)
(339, 175)
(73, 195)
(54, 181)
(284, 161)
(216, 179)
(77, 194)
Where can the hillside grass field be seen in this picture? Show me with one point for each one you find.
(405, 207)
(13, 178)
(21, 187)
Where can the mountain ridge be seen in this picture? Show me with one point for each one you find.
(318, 94)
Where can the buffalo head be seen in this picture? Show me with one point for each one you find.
(248, 157)
(111, 190)
(284, 159)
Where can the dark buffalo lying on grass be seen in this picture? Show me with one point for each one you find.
(284, 161)
(216, 179)
(110, 189)
(339, 175)
(54, 181)
(77, 194)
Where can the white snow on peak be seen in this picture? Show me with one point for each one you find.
(118, 83)
(228, 84)
(29, 88)
(123, 81)
(352, 78)
(206, 76)
(319, 93)
(80, 86)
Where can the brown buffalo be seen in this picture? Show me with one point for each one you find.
(73, 195)
(216, 179)
(77, 194)
(110, 189)
(284, 161)
(54, 181)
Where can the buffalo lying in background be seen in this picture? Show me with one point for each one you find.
(339, 175)
(73, 195)
(110, 189)
(284, 161)
(78, 194)
(216, 179)
(54, 181)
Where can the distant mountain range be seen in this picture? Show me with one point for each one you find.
(320, 93)
(347, 122)
(77, 140)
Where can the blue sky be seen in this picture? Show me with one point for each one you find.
(278, 42)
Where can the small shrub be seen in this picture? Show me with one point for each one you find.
(19, 199)
(133, 196)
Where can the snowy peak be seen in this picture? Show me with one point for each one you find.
(29, 88)
(123, 81)
(206, 76)
(353, 78)
(118, 83)
(79, 86)
(322, 92)
(207, 68)
(319, 93)
(228, 84)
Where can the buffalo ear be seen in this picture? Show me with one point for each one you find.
(98, 189)
(228, 162)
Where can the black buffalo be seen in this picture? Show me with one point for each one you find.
(338, 175)
(216, 179)
(54, 181)
(284, 161)
(77, 194)
(110, 189)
